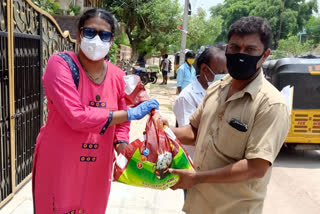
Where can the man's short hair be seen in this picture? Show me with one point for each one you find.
(190, 54)
(250, 25)
(221, 46)
(207, 55)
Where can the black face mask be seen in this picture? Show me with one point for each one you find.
(242, 66)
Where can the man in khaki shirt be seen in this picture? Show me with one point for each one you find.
(238, 130)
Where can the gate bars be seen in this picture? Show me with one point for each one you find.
(28, 37)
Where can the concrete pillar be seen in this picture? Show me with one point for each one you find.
(80, 3)
(64, 4)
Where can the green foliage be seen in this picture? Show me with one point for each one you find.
(73, 10)
(313, 29)
(113, 53)
(49, 6)
(154, 67)
(291, 47)
(150, 25)
(295, 14)
(122, 39)
(202, 31)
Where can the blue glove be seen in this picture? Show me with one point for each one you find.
(142, 109)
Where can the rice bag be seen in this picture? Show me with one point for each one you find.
(145, 162)
(134, 90)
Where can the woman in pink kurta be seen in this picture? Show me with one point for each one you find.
(75, 149)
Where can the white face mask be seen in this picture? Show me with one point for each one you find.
(216, 76)
(94, 49)
(219, 77)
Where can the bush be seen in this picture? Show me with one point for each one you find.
(113, 53)
(292, 47)
(73, 10)
(49, 6)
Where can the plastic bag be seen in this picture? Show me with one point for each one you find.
(145, 162)
(134, 90)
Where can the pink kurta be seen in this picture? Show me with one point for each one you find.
(73, 160)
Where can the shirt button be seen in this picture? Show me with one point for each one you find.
(80, 211)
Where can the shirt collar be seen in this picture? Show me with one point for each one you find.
(255, 85)
(186, 65)
(252, 88)
(197, 87)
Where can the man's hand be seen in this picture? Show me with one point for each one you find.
(178, 90)
(187, 178)
(164, 121)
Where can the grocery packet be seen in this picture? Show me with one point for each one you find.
(134, 90)
(145, 162)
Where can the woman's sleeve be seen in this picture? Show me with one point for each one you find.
(122, 129)
(63, 94)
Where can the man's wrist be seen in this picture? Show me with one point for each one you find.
(198, 177)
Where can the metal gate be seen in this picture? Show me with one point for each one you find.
(28, 37)
(5, 154)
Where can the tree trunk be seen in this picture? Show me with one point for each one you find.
(280, 25)
(133, 44)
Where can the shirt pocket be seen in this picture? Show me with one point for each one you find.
(231, 142)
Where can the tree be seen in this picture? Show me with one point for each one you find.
(291, 47)
(313, 29)
(49, 6)
(149, 24)
(294, 13)
(202, 31)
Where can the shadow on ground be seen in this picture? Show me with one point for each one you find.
(289, 158)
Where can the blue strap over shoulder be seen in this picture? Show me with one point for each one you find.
(73, 67)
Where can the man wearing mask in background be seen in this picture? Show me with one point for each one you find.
(212, 66)
(186, 72)
(239, 129)
(141, 61)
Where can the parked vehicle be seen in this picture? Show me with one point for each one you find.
(142, 73)
(304, 75)
(146, 74)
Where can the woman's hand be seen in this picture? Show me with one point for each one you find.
(142, 109)
(119, 147)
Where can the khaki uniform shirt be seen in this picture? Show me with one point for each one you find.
(260, 106)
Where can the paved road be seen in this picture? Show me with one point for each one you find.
(294, 187)
(295, 184)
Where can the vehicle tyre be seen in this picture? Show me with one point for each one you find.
(153, 79)
(144, 79)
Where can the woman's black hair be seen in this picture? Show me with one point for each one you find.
(96, 12)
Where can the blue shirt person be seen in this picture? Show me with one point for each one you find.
(186, 72)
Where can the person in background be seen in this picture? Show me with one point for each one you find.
(141, 60)
(212, 66)
(164, 68)
(238, 130)
(186, 72)
(87, 120)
